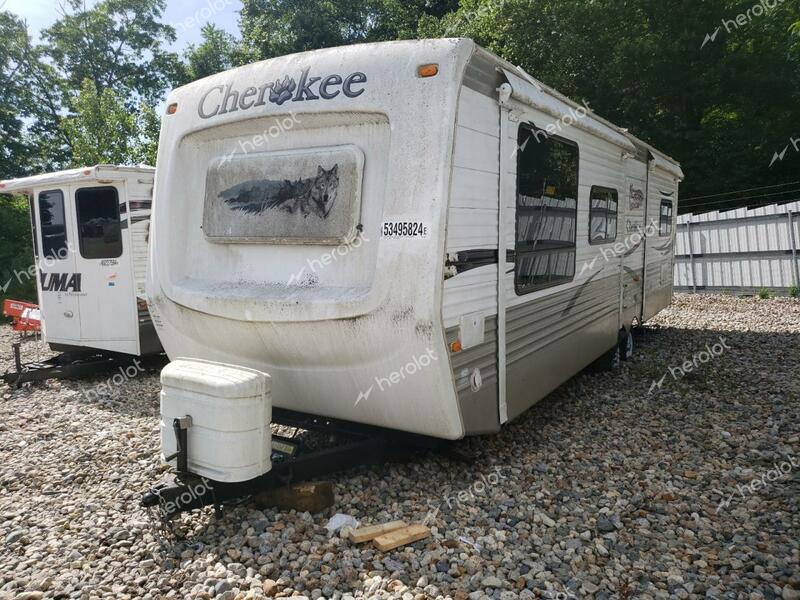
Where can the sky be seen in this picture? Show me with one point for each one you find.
(186, 16)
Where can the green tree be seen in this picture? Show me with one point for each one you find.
(16, 101)
(117, 44)
(100, 127)
(148, 126)
(103, 130)
(277, 27)
(16, 253)
(217, 52)
(721, 105)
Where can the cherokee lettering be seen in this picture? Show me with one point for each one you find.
(204, 115)
(251, 91)
(224, 99)
(304, 89)
(348, 83)
(327, 83)
(230, 94)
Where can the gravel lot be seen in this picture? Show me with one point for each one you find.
(616, 486)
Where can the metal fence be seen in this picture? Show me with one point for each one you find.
(739, 251)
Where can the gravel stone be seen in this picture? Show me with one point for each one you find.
(609, 488)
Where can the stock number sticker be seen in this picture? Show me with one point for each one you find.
(405, 229)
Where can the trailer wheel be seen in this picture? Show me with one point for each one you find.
(608, 362)
(611, 360)
(626, 346)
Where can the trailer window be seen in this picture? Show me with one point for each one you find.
(547, 210)
(99, 229)
(54, 224)
(309, 196)
(603, 204)
(665, 219)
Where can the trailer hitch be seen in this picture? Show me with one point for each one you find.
(17, 365)
(360, 446)
(183, 488)
(181, 427)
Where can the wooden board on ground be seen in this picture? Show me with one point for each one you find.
(401, 537)
(365, 534)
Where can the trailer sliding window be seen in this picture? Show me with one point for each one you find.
(54, 225)
(603, 203)
(547, 210)
(99, 228)
(665, 219)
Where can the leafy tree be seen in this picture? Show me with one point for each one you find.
(399, 19)
(15, 100)
(51, 148)
(118, 47)
(722, 107)
(277, 27)
(217, 52)
(103, 130)
(148, 125)
(117, 44)
(16, 253)
(81, 97)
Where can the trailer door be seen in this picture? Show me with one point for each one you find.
(635, 233)
(59, 281)
(108, 302)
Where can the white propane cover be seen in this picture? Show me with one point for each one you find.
(231, 409)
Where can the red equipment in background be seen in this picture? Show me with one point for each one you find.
(26, 316)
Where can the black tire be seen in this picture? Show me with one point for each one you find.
(611, 360)
(625, 346)
(608, 362)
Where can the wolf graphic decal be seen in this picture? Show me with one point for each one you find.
(315, 195)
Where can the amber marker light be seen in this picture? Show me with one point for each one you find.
(431, 70)
(455, 346)
(172, 108)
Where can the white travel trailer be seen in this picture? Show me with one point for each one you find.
(90, 232)
(334, 219)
